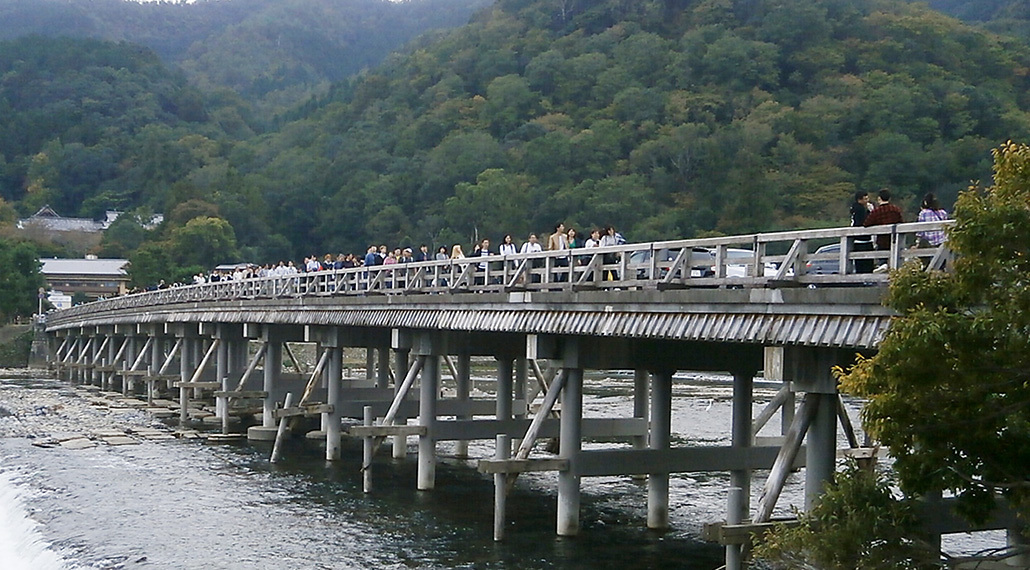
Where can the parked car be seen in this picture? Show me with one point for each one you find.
(829, 266)
(738, 263)
(701, 262)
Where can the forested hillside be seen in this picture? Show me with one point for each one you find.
(273, 53)
(666, 118)
(87, 125)
(1001, 16)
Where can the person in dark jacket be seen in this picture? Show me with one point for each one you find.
(884, 214)
(860, 210)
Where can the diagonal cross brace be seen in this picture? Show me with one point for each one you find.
(402, 392)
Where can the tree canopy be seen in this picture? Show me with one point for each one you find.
(665, 118)
(20, 279)
(949, 389)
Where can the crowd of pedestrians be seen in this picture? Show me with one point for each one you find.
(561, 239)
(863, 214)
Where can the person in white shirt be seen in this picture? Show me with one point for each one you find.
(507, 246)
(532, 246)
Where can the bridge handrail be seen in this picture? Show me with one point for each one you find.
(699, 262)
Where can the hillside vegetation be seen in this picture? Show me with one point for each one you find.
(273, 53)
(668, 119)
(1002, 16)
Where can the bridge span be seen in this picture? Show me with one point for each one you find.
(774, 304)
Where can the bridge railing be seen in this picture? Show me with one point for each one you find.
(823, 257)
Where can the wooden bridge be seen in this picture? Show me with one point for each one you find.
(766, 303)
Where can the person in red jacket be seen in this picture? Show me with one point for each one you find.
(884, 214)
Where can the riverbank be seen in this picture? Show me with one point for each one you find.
(52, 413)
(15, 344)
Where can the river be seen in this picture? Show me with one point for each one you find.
(190, 504)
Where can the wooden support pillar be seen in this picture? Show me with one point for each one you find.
(185, 373)
(641, 380)
(73, 353)
(92, 372)
(505, 382)
(383, 367)
(463, 387)
(128, 384)
(200, 346)
(502, 450)
(521, 397)
(521, 381)
(273, 366)
(429, 390)
(821, 452)
(660, 439)
(106, 379)
(400, 356)
(739, 503)
(370, 363)
(571, 432)
(505, 385)
(367, 449)
(787, 410)
(333, 428)
(222, 375)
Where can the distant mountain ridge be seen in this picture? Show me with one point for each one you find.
(665, 118)
(1002, 16)
(272, 52)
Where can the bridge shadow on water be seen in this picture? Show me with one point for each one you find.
(451, 526)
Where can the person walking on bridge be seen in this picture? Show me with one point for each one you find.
(860, 210)
(884, 214)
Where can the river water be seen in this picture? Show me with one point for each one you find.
(190, 504)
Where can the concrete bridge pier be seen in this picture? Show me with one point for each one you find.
(106, 378)
(641, 387)
(571, 444)
(463, 389)
(227, 364)
(331, 340)
(222, 373)
(812, 374)
(332, 419)
(75, 372)
(383, 367)
(92, 374)
(821, 451)
(75, 358)
(273, 365)
(400, 340)
(432, 346)
(157, 358)
(660, 440)
(126, 382)
(505, 386)
(739, 503)
(187, 334)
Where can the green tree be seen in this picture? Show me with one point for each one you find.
(150, 264)
(20, 279)
(858, 524)
(123, 236)
(949, 389)
(204, 241)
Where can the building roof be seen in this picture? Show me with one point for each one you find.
(49, 219)
(85, 267)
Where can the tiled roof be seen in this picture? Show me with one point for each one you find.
(97, 267)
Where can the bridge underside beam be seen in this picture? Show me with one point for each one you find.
(645, 354)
